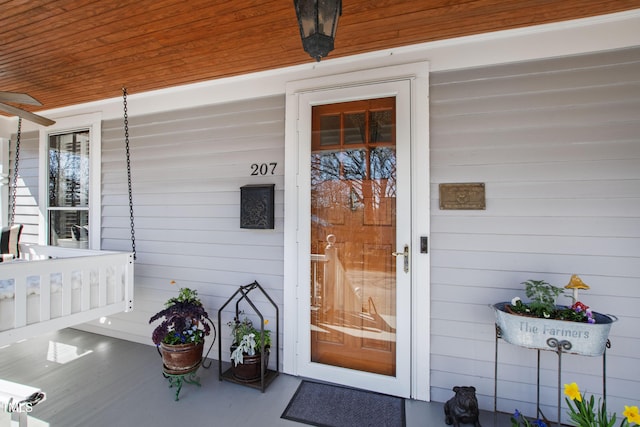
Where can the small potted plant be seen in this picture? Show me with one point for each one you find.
(541, 323)
(250, 346)
(180, 335)
(543, 303)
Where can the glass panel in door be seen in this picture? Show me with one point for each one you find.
(353, 234)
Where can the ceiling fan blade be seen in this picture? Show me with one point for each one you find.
(26, 115)
(18, 98)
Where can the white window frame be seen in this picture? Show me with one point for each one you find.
(93, 123)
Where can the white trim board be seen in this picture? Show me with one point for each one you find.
(522, 44)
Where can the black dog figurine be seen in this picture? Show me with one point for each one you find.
(462, 408)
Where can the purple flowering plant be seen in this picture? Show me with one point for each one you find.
(520, 420)
(184, 320)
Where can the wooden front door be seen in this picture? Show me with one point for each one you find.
(354, 212)
(353, 235)
(353, 220)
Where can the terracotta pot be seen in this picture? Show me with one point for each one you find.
(181, 358)
(249, 369)
(546, 334)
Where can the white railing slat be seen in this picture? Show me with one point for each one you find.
(108, 274)
(20, 298)
(45, 297)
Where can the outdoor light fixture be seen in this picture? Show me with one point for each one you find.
(318, 22)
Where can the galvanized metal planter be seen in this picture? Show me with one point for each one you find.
(587, 339)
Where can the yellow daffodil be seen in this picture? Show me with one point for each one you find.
(266, 321)
(573, 392)
(583, 413)
(631, 413)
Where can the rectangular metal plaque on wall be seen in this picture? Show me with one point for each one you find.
(469, 195)
(256, 206)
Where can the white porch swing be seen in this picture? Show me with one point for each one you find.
(47, 288)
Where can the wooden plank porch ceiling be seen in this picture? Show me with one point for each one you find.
(67, 52)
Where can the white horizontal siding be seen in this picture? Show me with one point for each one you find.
(26, 211)
(187, 168)
(557, 143)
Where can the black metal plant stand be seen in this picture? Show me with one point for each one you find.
(559, 347)
(266, 375)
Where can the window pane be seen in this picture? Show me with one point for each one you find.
(381, 127)
(69, 169)
(330, 130)
(69, 228)
(354, 164)
(383, 161)
(325, 166)
(354, 128)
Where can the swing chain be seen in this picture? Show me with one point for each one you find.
(14, 190)
(126, 139)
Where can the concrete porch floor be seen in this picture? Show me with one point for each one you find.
(97, 381)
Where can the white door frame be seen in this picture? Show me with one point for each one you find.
(400, 383)
(417, 74)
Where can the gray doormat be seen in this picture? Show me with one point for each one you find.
(327, 405)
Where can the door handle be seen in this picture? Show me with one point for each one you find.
(405, 254)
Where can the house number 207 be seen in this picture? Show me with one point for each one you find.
(263, 168)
